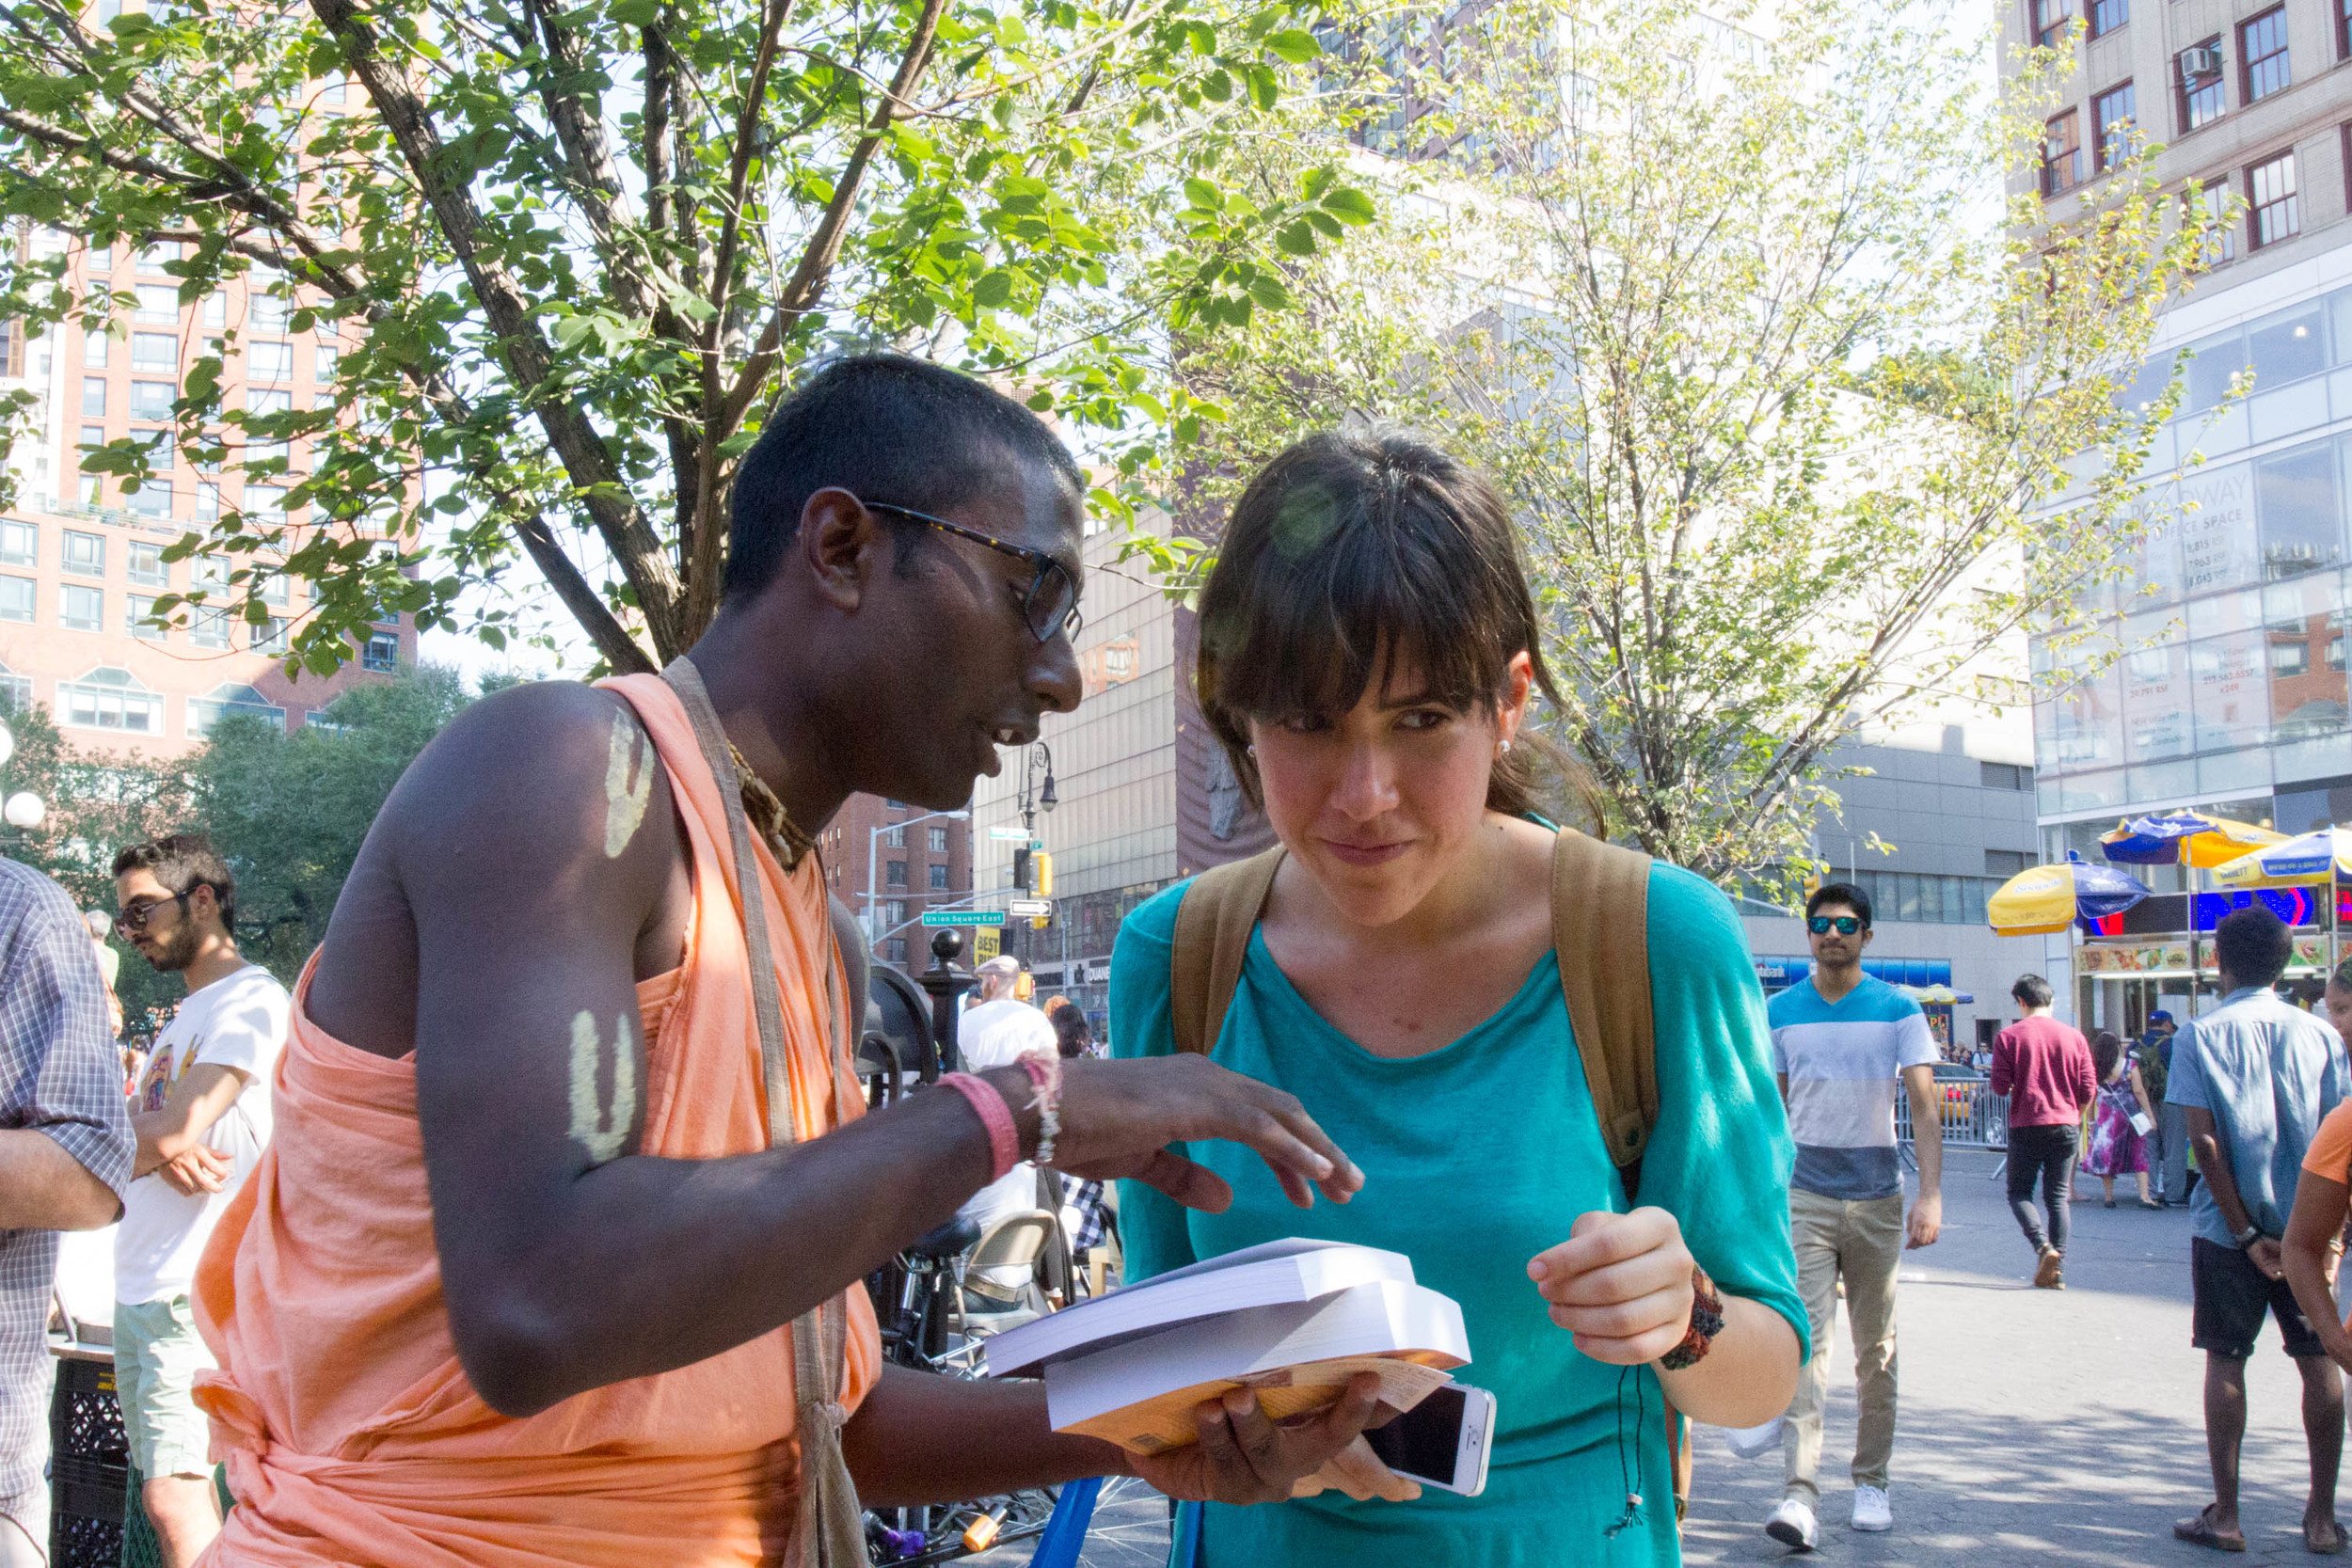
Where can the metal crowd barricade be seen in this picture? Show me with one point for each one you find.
(1974, 1116)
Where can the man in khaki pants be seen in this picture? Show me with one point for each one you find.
(1841, 1042)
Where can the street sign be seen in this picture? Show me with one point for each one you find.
(964, 917)
(1031, 909)
(1012, 836)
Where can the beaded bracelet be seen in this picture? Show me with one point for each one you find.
(1045, 1075)
(1004, 1139)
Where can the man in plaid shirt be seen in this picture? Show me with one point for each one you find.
(65, 1157)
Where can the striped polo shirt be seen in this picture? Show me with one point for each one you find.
(1842, 1063)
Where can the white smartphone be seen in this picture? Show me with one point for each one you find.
(1442, 1441)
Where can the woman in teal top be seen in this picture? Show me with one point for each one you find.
(1369, 651)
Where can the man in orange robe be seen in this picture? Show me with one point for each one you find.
(513, 1284)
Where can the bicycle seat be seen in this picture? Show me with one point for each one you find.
(952, 1240)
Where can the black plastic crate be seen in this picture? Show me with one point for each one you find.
(85, 1419)
(78, 1542)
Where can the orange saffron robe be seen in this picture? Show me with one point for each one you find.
(350, 1430)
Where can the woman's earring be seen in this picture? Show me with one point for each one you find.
(1507, 746)
(1251, 750)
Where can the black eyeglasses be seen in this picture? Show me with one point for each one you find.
(1051, 606)
(135, 916)
(1820, 924)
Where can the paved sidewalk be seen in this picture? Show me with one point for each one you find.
(2036, 1426)
(2063, 1427)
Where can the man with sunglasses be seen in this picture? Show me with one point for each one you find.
(203, 1115)
(1842, 1041)
(568, 1201)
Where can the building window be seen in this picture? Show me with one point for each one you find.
(16, 598)
(2061, 154)
(266, 505)
(2050, 18)
(210, 574)
(208, 628)
(207, 502)
(324, 360)
(147, 565)
(937, 838)
(150, 400)
(85, 554)
(101, 259)
(2117, 113)
(15, 691)
(93, 397)
(2004, 775)
(2004, 863)
(2221, 240)
(149, 501)
(2262, 48)
(2335, 653)
(2108, 15)
(894, 912)
(155, 351)
(158, 302)
(152, 258)
(93, 436)
(110, 699)
(138, 612)
(381, 655)
(216, 309)
(86, 488)
(19, 543)
(2290, 658)
(896, 950)
(222, 700)
(269, 361)
(80, 608)
(939, 878)
(895, 837)
(2270, 200)
(270, 637)
(2203, 96)
(894, 873)
(94, 348)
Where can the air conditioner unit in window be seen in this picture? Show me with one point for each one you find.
(2204, 60)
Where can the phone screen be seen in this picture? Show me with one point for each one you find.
(1425, 1441)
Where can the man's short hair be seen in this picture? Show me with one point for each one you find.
(2341, 978)
(1839, 892)
(183, 862)
(2252, 946)
(2032, 990)
(885, 427)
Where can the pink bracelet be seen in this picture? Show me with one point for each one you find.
(1045, 1078)
(1004, 1140)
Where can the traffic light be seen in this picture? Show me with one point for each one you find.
(1021, 870)
(1042, 865)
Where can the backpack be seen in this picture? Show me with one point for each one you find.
(1616, 1033)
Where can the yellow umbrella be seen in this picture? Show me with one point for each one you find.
(2316, 857)
(2046, 898)
(2184, 838)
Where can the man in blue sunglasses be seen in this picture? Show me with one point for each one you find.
(1841, 1042)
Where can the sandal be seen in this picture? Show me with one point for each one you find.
(2333, 1546)
(2150, 1203)
(2110, 1203)
(2199, 1531)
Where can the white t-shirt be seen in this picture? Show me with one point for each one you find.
(237, 1022)
(994, 1035)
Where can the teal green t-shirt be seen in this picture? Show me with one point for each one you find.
(1477, 1157)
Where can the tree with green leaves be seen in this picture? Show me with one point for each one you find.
(290, 810)
(1786, 403)
(573, 252)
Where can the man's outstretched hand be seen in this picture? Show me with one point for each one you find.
(1117, 1119)
(1244, 1457)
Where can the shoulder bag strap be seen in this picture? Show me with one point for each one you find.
(832, 1531)
(1213, 924)
(1601, 928)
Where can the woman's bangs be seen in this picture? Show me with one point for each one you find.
(1317, 632)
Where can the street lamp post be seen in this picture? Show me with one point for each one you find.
(23, 810)
(873, 854)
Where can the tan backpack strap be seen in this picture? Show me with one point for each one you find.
(1601, 927)
(1213, 924)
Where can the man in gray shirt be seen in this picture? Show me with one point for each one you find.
(2253, 1078)
(65, 1157)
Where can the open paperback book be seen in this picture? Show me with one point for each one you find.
(1293, 1319)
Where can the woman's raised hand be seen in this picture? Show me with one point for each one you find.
(1620, 1284)
(1118, 1117)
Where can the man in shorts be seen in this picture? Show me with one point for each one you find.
(202, 1114)
(2253, 1078)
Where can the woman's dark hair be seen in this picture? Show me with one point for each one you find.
(1072, 1034)
(1352, 553)
(2106, 1054)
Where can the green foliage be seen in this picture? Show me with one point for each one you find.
(1785, 413)
(572, 253)
(290, 810)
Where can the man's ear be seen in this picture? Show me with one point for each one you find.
(843, 545)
